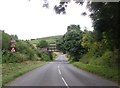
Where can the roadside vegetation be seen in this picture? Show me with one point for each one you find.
(106, 72)
(12, 70)
(25, 58)
(96, 51)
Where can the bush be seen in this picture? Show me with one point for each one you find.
(14, 57)
(87, 57)
(38, 53)
(36, 58)
(26, 48)
(25, 51)
(54, 55)
(107, 59)
(45, 56)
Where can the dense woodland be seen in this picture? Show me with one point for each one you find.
(100, 46)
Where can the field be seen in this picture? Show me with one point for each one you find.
(50, 40)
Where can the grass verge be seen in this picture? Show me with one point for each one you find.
(11, 71)
(106, 72)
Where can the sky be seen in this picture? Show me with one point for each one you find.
(29, 20)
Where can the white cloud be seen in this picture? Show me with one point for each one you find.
(29, 20)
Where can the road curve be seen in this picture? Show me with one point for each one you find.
(60, 73)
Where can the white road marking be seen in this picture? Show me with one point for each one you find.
(65, 82)
(59, 71)
(62, 77)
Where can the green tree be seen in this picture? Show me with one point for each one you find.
(15, 37)
(87, 39)
(60, 45)
(71, 42)
(6, 38)
(42, 44)
(25, 48)
(105, 16)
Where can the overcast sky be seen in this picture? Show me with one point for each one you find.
(30, 20)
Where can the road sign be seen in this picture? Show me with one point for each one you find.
(13, 49)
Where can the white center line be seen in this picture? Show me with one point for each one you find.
(62, 77)
(59, 71)
(65, 82)
(58, 66)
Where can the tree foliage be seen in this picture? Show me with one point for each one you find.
(61, 8)
(6, 38)
(87, 39)
(105, 16)
(71, 42)
(42, 44)
(25, 48)
(63, 4)
(15, 37)
(60, 44)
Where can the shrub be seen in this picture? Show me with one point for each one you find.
(25, 48)
(45, 56)
(14, 57)
(54, 55)
(107, 59)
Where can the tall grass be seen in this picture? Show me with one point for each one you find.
(12, 70)
(106, 72)
(105, 65)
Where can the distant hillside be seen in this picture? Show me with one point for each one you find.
(50, 39)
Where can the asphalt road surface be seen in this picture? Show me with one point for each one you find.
(60, 73)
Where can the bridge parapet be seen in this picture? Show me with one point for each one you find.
(52, 49)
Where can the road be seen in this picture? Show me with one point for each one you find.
(60, 73)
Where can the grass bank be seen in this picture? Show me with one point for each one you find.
(10, 71)
(106, 72)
